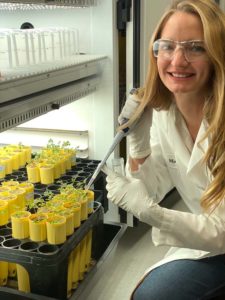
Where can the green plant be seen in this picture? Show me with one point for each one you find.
(35, 204)
(20, 214)
(39, 218)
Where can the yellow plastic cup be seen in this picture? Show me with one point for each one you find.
(37, 227)
(90, 204)
(2, 169)
(76, 265)
(23, 279)
(4, 212)
(20, 224)
(47, 173)
(3, 273)
(56, 229)
(33, 173)
(12, 202)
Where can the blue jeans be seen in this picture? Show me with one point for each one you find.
(184, 280)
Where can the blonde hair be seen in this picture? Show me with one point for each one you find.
(155, 94)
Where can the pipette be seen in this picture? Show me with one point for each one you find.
(118, 137)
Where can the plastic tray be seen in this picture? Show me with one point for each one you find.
(48, 270)
(104, 242)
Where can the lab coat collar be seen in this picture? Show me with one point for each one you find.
(199, 149)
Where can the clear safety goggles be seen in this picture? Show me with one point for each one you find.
(193, 50)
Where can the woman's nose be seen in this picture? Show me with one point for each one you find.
(179, 58)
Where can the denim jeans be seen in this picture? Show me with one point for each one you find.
(184, 280)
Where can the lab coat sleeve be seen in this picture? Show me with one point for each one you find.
(153, 172)
(187, 230)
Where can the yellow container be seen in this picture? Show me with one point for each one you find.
(15, 160)
(12, 270)
(12, 202)
(20, 224)
(90, 197)
(56, 229)
(2, 169)
(28, 151)
(69, 275)
(84, 209)
(3, 273)
(37, 227)
(76, 207)
(68, 213)
(21, 157)
(57, 169)
(10, 183)
(33, 173)
(4, 212)
(8, 164)
(47, 173)
(73, 156)
(82, 259)
(63, 165)
(68, 162)
(88, 250)
(23, 279)
(4, 188)
(76, 264)
(20, 194)
(29, 190)
(80, 196)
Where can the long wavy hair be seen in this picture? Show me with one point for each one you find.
(155, 94)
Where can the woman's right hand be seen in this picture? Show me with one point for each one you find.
(139, 135)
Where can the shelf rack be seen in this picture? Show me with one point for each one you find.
(20, 82)
(27, 96)
(29, 107)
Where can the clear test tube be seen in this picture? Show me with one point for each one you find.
(52, 41)
(15, 49)
(56, 43)
(43, 45)
(32, 48)
(19, 41)
(40, 59)
(63, 32)
(27, 52)
(75, 41)
(5, 50)
(60, 44)
(9, 43)
(47, 35)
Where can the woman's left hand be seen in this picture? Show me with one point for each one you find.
(128, 193)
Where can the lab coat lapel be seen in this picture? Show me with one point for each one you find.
(199, 149)
(182, 154)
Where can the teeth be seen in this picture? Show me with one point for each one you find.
(180, 75)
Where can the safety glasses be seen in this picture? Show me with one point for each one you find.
(193, 50)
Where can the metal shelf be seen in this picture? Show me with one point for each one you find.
(46, 3)
(26, 108)
(20, 82)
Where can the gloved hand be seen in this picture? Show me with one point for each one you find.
(131, 195)
(139, 134)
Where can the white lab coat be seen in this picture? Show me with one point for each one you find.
(171, 164)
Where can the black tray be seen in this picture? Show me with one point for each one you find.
(110, 235)
(48, 272)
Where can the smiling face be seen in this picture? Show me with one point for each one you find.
(179, 75)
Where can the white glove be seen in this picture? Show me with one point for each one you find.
(139, 135)
(131, 195)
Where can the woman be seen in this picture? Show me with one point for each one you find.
(185, 86)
